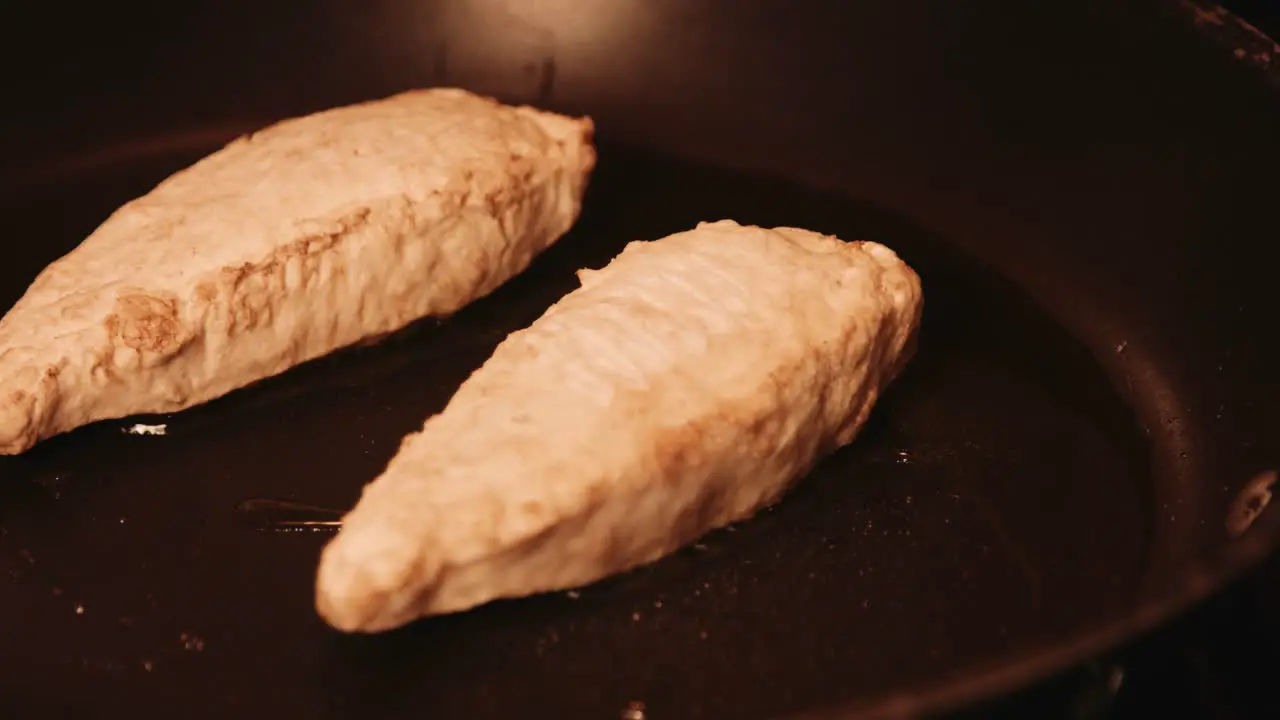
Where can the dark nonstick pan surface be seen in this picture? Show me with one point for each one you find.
(1086, 192)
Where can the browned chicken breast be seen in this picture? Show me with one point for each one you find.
(313, 234)
(683, 387)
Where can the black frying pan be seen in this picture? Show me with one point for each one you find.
(1088, 192)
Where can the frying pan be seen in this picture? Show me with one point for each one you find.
(1078, 452)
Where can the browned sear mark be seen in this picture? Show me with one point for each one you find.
(145, 323)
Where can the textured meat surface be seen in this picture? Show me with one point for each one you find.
(308, 236)
(683, 387)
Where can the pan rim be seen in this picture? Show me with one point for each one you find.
(1206, 579)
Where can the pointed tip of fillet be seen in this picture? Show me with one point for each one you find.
(365, 585)
(344, 595)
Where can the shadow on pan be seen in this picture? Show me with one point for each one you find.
(1000, 500)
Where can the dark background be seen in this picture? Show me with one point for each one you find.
(1262, 14)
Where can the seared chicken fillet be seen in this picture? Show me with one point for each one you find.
(683, 387)
(313, 234)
